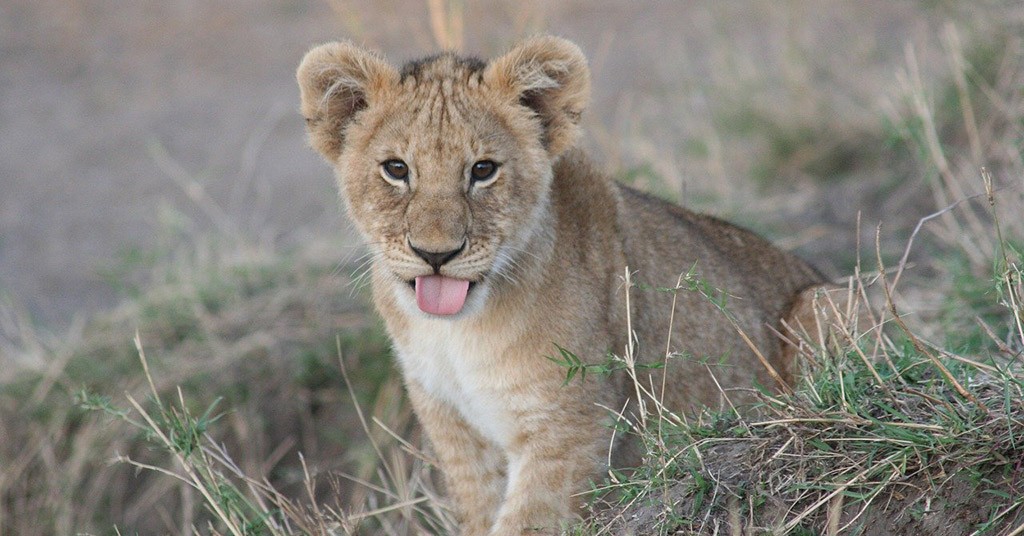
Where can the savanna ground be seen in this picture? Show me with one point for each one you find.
(242, 385)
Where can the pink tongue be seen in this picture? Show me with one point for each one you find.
(440, 295)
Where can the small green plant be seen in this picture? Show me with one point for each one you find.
(574, 365)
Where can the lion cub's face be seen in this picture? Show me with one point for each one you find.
(445, 166)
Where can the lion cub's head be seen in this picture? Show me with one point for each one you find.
(446, 164)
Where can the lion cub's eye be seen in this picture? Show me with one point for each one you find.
(483, 171)
(395, 170)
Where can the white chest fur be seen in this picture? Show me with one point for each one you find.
(456, 366)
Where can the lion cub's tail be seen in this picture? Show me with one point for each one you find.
(821, 315)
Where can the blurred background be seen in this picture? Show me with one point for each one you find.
(148, 147)
(129, 126)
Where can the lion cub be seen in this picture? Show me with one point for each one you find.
(494, 239)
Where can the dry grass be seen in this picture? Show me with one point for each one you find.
(259, 336)
(886, 434)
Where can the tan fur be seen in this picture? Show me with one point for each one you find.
(547, 244)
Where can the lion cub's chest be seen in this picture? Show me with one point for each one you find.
(457, 367)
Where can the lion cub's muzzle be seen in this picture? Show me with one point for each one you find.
(438, 294)
(438, 223)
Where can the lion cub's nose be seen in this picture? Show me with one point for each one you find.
(437, 258)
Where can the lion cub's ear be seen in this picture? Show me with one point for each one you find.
(550, 76)
(337, 80)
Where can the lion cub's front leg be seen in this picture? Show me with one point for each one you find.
(527, 488)
(558, 452)
(474, 468)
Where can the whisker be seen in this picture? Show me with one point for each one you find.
(521, 250)
(359, 275)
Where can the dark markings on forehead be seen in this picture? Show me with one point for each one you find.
(444, 65)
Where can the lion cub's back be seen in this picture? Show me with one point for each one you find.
(675, 238)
